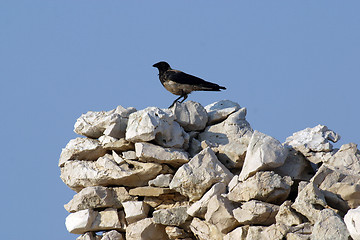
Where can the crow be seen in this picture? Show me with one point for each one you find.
(180, 83)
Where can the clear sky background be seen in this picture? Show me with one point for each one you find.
(293, 64)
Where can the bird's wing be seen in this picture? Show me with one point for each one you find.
(184, 78)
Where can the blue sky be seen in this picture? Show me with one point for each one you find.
(293, 64)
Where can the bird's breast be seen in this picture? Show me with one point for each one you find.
(177, 88)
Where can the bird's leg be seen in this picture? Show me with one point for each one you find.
(185, 97)
(176, 101)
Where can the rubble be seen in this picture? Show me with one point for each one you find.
(194, 172)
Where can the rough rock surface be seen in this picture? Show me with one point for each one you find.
(155, 124)
(231, 138)
(219, 111)
(256, 212)
(263, 186)
(352, 221)
(148, 152)
(81, 149)
(314, 142)
(112, 123)
(190, 115)
(193, 179)
(263, 153)
(191, 172)
(105, 172)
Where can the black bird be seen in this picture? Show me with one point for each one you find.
(180, 83)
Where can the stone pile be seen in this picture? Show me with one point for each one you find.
(194, 172)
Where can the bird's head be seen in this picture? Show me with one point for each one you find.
(162, 66)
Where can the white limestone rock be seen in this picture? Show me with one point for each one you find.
(194, 178)
(150, 191)
(204, 230)
(309, 202)
(220, 213)
(146, 229)
(296, 166)
(118, 145)
(218, 111)
(155, 124)
(172, 217)
(287, 215)
(80, 222)
(190, 115)
(175, 233)
(112, 235)
(352, 221)
(329, 226)
(314, 142)
(162, 180)
(237, 234)
(264, 186)
(199, 208)
(98, 197)
(346, 160)
(81, 149)
(114, 122)
(148, 152)
(130, 155)
(341, 190)
(231, 137)
(135, 211)
(263, 153)
(109, 219)
(88, 236)
(256, 212)
(105, 172)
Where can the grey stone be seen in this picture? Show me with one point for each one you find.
(89, 220)
(119, 145)
(341, 190)
(112, 235)
(94, 124)
(81, 149)
(199, 208)
(162, 180)
(194, 178)
(263, 153)
(296, 166)
(263, 186)
(146, 229)
(155, 124)
(346, 160)
(190, 115)
(287, 215)
(130, 155)
(175, 233)
(256, 212)
(219, 213)
(173, 216)
(231, 137)
(218, 111)
(329, 226)
(204, 230)
(237, 234)
(98, 197)
(135, 211)
(148, 152)
(309, 202)
(105, 172)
